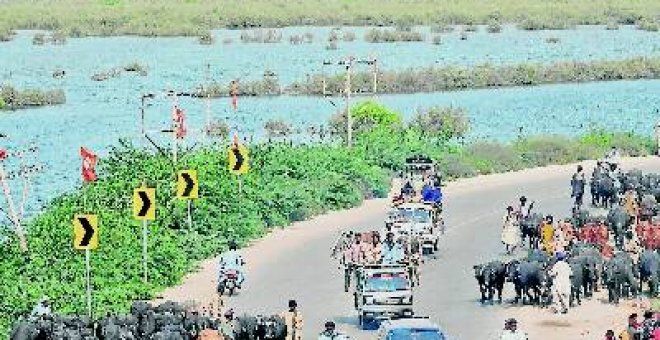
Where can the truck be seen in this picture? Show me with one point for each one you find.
(423, 220)
(383, 292)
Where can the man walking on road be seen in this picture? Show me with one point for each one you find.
(577, 185)
(561, 284)
(294, 322)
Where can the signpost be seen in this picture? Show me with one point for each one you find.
(188, 188)
(86, 237)
(238, 161)
(144, 209)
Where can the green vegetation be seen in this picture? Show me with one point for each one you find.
(115, 72)
(287, 183)
(457, 78)
(449, 78)
(648, 25)
(206, 38)
(14, 99)
(192, 18)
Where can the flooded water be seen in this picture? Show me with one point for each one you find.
(98, 113)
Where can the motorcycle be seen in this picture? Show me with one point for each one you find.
(228, 282)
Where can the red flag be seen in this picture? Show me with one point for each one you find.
(3, 154)
(89, 160)
(178, 117)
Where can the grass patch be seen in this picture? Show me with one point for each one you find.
(192, 18)
(378, 35)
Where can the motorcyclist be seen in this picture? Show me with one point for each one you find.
(231, 260)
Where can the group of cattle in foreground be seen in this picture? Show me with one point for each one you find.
(167, 321)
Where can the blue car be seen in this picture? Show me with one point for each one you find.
(410, 329)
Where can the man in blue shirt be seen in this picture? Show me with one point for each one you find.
(231, 260)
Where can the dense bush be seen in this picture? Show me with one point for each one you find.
(442, 122)
(13, 99)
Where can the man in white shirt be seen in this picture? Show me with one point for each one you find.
(561, 284)
(511, 331)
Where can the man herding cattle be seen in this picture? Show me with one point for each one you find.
(561, 284)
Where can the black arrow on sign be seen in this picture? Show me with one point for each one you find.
(190, 184)
(239, 159)
(146, 203)
(89, 231)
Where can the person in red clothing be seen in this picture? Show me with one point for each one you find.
(609, 335)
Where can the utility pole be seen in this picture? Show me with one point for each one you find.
(347, 93)
(208, 100)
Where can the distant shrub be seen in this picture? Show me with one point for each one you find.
(348, 36)
(58, 38)
(471, 28)
(277, 128)
(332, 45)
(442, 29)
(333, 36)
(648, 25)
(463, 36)
(206, 38)
(6, 34)
(437, 39)
(264, 36)
(376, 35)
(227, 40)
(308, 37)
(136, 68)
(454, 166)
(39, 39)
(296, 39)
(533, 24)
(218, 129)
(441, 122)
(13, 98)
(612, 25)
(494, 27)
(552, 40)
(488, 157)
(543, 150)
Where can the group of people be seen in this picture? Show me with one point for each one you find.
(391, 250)
(511, 231)
(647, 329)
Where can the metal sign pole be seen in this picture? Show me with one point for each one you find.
(144, 249)
(190, 221)
(89, 285)
(240, 184)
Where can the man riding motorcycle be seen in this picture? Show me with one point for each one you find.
(232, 261)
(353, 257)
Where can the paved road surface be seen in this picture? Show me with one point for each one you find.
(295, 263)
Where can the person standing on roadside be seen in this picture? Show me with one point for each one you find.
(511, 331)
(577, 185)
(294, 322)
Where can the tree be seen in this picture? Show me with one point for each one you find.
(367, 116)
(442, 122)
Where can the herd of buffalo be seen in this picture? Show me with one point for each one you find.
(596, 252)
(167, 321)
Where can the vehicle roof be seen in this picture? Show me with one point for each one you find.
(415, 323)
(414, 205)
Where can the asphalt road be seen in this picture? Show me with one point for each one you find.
(302, 269)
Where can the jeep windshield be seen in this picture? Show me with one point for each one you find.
(414, 334)
(415, 215)
(386, 283)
